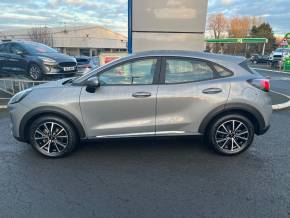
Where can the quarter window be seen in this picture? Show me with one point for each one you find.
(222, 72)
(187, 70)
(134, 73)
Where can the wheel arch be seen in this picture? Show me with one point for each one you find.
(243, 109)
(54, 111)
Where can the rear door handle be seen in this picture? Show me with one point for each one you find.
(211, 91)
(141, 94)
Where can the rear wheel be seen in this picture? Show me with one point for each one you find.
(231, 134)
(35, 72)
(52, 136)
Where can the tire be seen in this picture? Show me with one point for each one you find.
(57, 143)
(255, 62)
(35, 72)
(227, 142)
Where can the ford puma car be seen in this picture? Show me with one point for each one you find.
(158, 93)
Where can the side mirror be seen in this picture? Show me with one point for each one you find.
(19, 53)
(92, 84)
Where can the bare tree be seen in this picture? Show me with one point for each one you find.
(42, 35)
(218, 24)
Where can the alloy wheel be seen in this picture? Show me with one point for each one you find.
(51, 138)
(34, 72)
(232, 136)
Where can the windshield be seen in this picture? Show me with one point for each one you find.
(282, 50)
(38, 48)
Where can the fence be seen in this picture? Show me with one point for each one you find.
(9, 87)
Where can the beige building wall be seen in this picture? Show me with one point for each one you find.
(74, 40)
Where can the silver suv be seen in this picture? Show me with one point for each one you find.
(158, 93)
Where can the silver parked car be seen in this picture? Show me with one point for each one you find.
(158, 93)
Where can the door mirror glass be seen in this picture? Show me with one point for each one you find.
(92, 84)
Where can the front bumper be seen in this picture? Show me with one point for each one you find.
(53, 69)
(17, 112)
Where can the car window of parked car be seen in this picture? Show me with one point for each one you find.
(139, 72)
(38, 48)
(187, 70)
(14, 48)
(222, 72)
(81, 61)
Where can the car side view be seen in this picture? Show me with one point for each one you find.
(157, 93)
(35, 60)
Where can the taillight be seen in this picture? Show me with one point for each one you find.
(263, 84)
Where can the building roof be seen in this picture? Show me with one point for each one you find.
(89, 36)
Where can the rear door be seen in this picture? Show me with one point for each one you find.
(125, 102)
(191, 89)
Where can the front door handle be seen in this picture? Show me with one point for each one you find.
(141, 94)
(212, 91)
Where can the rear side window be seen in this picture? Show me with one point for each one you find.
(222, 72)
(187, 70)
(83, 60)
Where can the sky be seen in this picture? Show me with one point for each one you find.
(113, 13)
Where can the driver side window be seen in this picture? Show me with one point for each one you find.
(140, 72)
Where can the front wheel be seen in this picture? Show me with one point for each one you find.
(35, 72)
(52, 136)
(231, 134)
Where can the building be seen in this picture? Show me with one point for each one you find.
(78, 40)
(166, 25)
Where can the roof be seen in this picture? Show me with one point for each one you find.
(103, 32)
(193, 54)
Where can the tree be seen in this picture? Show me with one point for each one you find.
(218, 24)
(263, 31)
(42, 35)
(239, 27)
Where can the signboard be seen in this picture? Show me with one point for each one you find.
(238, 40)
(166, 24)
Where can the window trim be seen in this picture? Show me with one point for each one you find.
(156, 77)
(209, 63)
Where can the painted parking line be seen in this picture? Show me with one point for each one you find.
(282, 106)
(274, 71)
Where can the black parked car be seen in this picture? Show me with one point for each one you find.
(260, 59)
(85, 64)
(34, 59)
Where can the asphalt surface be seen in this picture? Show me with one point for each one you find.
(176, 177)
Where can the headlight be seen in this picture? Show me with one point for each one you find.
(47, 60)
(19, 96)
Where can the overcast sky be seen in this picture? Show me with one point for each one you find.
(113, 13)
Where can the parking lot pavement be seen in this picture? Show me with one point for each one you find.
(176, 177)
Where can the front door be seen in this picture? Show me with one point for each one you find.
(125, 102)
(17, 62)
